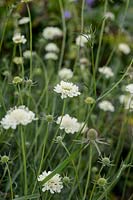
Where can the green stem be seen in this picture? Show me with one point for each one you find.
(29, 14)
(24, 160)
(64, 35)
(101, 36)
(22, 65)
(10, 179)
(82, 16)
(89, 173)
(94, 73)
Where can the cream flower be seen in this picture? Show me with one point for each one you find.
(127, 100)
(52, 47)
(65, 74)
(27, 54)
(16, 116)
(106, 106)
(54, 185)
(18, 60)
(18, 38)
(124, 48)
(106, 71)
(109, 15)
(67, 89)
(129, 88)
(50, 56)
(81, 40)
(70, 124)
(24, 20)
(51, 33)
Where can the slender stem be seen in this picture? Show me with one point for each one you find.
(24, 160)
(22, 65)
(10, 179)
(94, 73)
(42, 157)
(116, 84)
(76, 173)
(29, 14)
(89, 173)
(82, 16)
(101, 37)
(64, 35)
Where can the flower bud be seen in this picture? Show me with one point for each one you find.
(4, 159)
(89, 100)
(49, 118)
(66, 180)
(102, 182)
(92, 134)
(106, 161)
(94, 170)
(59, 139)
(17, 80)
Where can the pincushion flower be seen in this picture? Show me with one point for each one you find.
(106, 106)
(16, 116)
(65, 74)
(124, 48)
(54, 185)
(52, 47)
(127, 100)
(67, 89)
(18, 38)
(106, 71)
(24, 20)
(51, 33)
(68, 123)
(50, 56)
(129, 88)
(81, 40)
(109, 15)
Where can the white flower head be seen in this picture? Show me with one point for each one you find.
(51, 33)
(127, 100)
(27, 54)
(67, 89)
(65, 74)
(129, 88)
(50, 56)
(18, 38)
(81, 40)
(54, 185)
(106, 106)
(26, 1)
(106, 71)
(69, 124)
(24, 20)
(52, 47)
(124, 48)
(109, 15)
(16, 116)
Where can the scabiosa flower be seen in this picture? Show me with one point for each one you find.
(24, 20)
(124, 48)
(27, 54)
(50, 56)
(81, 40)
(54, 185)
(106, 106)
(67, 14)
(65, 74)
(51, 33)
(109, 15)
(16, 116)
(18, 38)
(70, 124)
(127, 100)
(106, 71)
(129, 88)
(52, 47)
(67, 89)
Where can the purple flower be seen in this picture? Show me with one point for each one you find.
(90, 2)
(67, 14)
